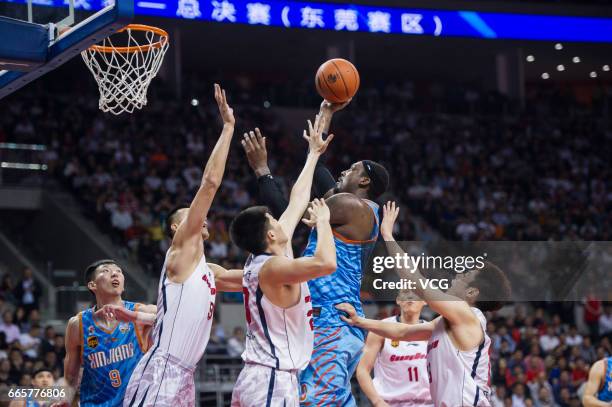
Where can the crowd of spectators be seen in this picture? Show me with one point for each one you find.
(467, 165)
(27, 343)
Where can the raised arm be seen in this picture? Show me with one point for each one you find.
(373, 345)
(453, 309)
(300, 193)
(592, 386)
(391, 330)
(324, 182)
(270, 193)
(227, 280)
(283, 270)
(192, 226)
(144, 315)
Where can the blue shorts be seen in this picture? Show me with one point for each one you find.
(327, 379)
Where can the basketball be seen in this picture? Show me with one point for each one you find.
(337, 80)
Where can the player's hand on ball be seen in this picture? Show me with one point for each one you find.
(390, 213)
(351, 317)
(314, 135)
(254, 145)
(227, 113)
(333, 107)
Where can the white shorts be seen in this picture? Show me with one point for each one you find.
(160, 379)
(263, 386)
(410, 403)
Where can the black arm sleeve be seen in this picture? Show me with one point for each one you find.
(323, 180)
(271, 195)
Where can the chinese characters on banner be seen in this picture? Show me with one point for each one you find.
(305, 15)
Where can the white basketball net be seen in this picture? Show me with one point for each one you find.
(124, 72)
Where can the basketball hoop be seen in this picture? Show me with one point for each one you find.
(124, 73)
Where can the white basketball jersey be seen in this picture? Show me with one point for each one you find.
(281, 338)
(400, 372)
(458, 378)
(184, 314)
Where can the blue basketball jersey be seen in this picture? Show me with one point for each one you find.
(605, 394)
(108, 358)
(344, 284)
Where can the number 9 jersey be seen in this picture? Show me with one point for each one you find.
(109, 358)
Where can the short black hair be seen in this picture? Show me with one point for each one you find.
(41, 370)
(170, 218)
(248, 229)
(90, 271)
(379, 178)
(493, 286)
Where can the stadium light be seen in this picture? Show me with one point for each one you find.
(558, 46)
(576, 60)
(560, 68)
(530, 58)
(545, 75)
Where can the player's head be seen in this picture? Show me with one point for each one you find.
(105, 277)
(486, 288)
(409, 302)
(43, 378)
(364, 178)
(176, 216)
(255, 230)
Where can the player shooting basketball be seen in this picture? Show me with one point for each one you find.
(106, 349)
(354, 219)
(458, 349)
(277, 299)
(187, 288)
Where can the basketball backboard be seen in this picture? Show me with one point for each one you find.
(31, 41)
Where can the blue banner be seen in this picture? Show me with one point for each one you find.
(385, 20)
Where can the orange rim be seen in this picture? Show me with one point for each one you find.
(163, 39)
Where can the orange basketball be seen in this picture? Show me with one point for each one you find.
(337, 80)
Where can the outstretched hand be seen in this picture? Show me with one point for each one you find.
(254, 145)
(333, 107)
(227, 113)
(111, 313)
(351, 317)
(390, 213)
(317, 211)
(314, 135)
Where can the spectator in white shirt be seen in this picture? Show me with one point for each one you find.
(152, 180)
(218, 248)
(544, 398)
(9, 328)
(30, 342)
(573, 337)
(122, 218)
(497, 399)
(549, 340)
(605, 321)
(236, 344)
(193, 176)
(518, 395)
(172, 182)
(466, 230)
